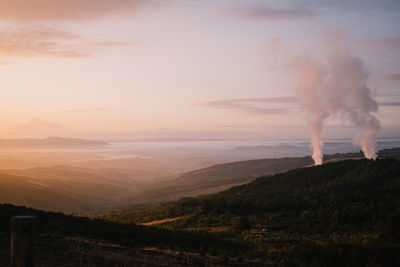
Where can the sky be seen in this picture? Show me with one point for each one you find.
(91, 67)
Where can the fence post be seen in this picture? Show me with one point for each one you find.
(22, 241)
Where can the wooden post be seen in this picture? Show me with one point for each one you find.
(22, 239)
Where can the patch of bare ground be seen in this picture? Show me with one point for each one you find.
(162, 221)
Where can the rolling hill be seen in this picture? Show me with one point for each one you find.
(220, 177)
(106, 184)
(67, 189)
(217, 178)
(110, 184)
(344, 213)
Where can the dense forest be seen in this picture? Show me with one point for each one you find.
(342, 213)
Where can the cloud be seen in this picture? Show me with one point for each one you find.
(392, 76)
(260, 106)
(306, 9)
(354, 4)
(39, 125)
(45, 41)
(386, 43)
(23, 32)
(86, 110)
(269, 13)
(389, 104)
(30, 41)
(63, 10)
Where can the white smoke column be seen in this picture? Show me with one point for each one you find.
(337, 87)
(347, 93)
(311, 78)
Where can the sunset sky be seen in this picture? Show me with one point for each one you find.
(90, 66)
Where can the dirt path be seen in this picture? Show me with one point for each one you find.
(162, 221)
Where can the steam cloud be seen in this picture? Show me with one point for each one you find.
(337, 87)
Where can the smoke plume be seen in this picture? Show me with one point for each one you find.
(337, 86)
(311, 78)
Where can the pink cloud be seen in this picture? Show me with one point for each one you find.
(52, 10)
(388, 43)
(37, 124)
(44, 41)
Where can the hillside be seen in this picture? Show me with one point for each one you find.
(117, 183)
(220, 177)
(105, 184)
(339, 214)
(141, 168)
(344, 213)
(217, 178)
(77, 241)
(67, 189)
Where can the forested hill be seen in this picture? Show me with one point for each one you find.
(336, 186)
(341, 213)
(353, 189)
(344, 213)
(220, 177)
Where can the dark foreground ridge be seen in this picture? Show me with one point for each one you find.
(100, 242)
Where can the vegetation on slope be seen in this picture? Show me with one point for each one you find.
(342, 213)
(228, 174)
(119, 183)
(66, 189)
(220, 177)
(123, 234)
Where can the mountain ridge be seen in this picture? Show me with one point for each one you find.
(50, 142)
